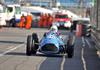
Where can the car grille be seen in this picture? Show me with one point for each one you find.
(49, 47)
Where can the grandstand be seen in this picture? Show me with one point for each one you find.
(52, 3)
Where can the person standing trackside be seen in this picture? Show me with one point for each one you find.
(28, 21)
(45, 18)
(22, 21)
(40, 23)
(49, 20)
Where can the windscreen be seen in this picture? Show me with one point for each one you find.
(18, 10)
(61, 16)
(9, 9)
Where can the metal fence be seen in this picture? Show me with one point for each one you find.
(95, 14)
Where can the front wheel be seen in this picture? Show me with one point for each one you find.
(35, 43)
(70, 46)
(29, 45)
(70, 51)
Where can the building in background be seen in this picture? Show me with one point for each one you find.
(95, 14)
(53, 3)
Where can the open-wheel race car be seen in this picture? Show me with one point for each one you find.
(51, 43)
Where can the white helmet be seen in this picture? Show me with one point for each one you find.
(54, 28)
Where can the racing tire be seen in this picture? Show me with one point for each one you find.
(44, 34)
(35, 42)
(70, 51)
(29, 45)
(70, 46)
(13, 22)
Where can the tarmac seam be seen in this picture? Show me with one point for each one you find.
(38, 66)
(88, 43)
(82, 54)
(63, 61)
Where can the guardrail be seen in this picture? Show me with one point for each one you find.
(96, 39)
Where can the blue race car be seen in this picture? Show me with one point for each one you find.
(51, 43)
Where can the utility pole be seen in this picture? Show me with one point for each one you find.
(81, 3)
(97, 13)
(54, 2)
(81, 6)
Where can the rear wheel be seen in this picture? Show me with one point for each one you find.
(35, 43)
(70, 51)
(70, 46)
(29, 45)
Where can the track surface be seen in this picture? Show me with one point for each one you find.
(13, 57)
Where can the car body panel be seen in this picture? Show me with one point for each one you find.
(51, 38)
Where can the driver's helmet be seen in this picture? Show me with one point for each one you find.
(54, 28)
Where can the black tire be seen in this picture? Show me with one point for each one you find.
(70, 47)
(35, 42)
(29, 45)
(44, 34)
(13, 22)
(7, 23)
(70, 51)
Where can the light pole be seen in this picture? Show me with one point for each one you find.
(97, 13)
(82, 8)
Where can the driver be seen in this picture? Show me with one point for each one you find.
(54, 29)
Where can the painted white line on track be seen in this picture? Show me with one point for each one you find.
(38, 66)
(83, 41)
(83, 59)
(88, 43)
(11, 49)
(63, 61)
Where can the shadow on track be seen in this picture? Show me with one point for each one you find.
(37, 55)
(49, 55)
(16, 53)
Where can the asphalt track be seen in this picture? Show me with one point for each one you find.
(13, 57)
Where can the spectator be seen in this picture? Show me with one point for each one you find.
(45, 16)
(28, 21)
(50, 20)
(22, 21)
(40, 21)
